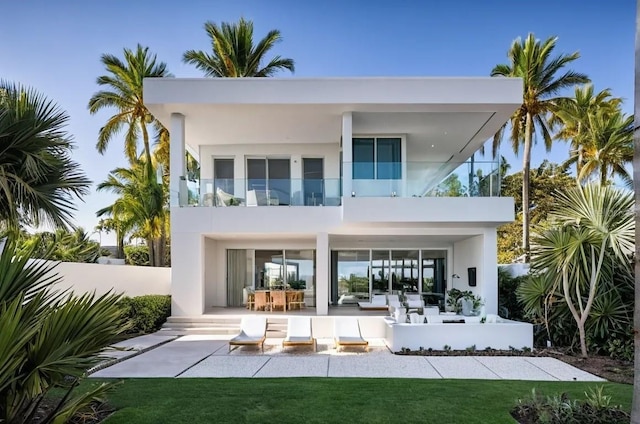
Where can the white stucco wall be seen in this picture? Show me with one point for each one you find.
(127, 279)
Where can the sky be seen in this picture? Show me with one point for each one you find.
(55, 47)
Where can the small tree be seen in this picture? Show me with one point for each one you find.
(589, 225)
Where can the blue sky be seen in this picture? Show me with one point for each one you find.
(55, 46)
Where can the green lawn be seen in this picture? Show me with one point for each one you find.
(331, 400)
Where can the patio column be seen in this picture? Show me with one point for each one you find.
(322, 274)
(347, 153)
(187, 274)
(489, 286)
(177, 159)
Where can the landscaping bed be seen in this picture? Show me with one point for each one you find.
(606, 367)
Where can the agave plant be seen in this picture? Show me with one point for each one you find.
(49, 339)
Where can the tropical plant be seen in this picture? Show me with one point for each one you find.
(532, 61)
(140, 206)
(63, 245)
(233, 53)
(573, 115)
(124, 94)
(119, 226)
(39, 181)
(593, 230)
(606, 149)
(49, 340)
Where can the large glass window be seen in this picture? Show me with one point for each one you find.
(434, 282)
(223, 175)
(380, 271)
(377, 158)
(269, 181)
(350, 283)
(313, 174)
(404, 270)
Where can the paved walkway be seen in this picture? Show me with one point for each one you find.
(208, 356)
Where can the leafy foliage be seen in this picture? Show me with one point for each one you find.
(137, 255)
(234, 55)
(508, 304)
(146, 313)
(63, 245)
(39, 181)
(48, 339)
(545, 181)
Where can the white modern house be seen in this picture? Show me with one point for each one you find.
(341, 187)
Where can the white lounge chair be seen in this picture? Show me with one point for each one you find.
(378, 302)
(299, 333)
(414, 301)
(346, 332)
(394, 300)
(253, 332)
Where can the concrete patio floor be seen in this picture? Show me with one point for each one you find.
(209, 356)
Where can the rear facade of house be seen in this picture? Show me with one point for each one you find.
(342, 187)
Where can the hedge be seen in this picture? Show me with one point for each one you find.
(146, 313)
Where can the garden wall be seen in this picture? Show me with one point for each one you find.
(127, 279)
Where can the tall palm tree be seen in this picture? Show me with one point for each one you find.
(140, 205)
(233, 53)
(124, 94)
(606, 147)
(532, 61)
(39, 182)
(573, 116)
(635, 406)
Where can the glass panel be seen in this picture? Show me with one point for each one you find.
(380, 271)
(434, 282)
(279, 187)
(404, 270)
(223, 183)
(269, 269)
(257, 174)
(351, 273)
(388, 158)
(363, 158)
(301, 273)
(313, 172)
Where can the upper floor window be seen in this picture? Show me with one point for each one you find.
(377, 158)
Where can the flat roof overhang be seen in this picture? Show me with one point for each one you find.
(460, 114)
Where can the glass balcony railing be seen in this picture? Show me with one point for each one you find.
(409, 179)
(423, 179)
(260, 192)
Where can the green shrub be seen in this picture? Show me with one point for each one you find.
(559, 409)
(136, 255)
(147, 313)
(621, 348)
(508, 304)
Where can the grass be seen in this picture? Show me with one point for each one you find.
(329, 400)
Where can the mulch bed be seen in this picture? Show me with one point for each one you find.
(94, 414)
(606, 367)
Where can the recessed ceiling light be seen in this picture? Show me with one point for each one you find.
(445, 133)
(433, 145)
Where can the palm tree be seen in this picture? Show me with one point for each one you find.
(635, 406)
(532, 61)
(593, 229)
(233, 53)
(606, 148)
(124, 94)
(573, 115)
(39, 182)
(141, 205)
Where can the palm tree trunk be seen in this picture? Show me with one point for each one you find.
(635, 406)
(526, 166)
(147, 148)
(583, 340)
(152, 256)
(603, 175)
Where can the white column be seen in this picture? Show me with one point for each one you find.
(323, 279)
(488, 281)
(177, 159)
(347, 153)
(187, 274)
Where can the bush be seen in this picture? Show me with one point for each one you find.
(508, 304)
(595, 409)
(146, 313)
(136, 255)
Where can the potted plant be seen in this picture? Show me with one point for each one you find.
(456, 297)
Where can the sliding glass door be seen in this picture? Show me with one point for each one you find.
(270, 181)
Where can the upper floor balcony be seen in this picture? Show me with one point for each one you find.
(361, 179)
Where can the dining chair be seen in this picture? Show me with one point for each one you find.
(278, 299)
(261, 301)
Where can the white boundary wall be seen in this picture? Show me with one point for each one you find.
(127, 279)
